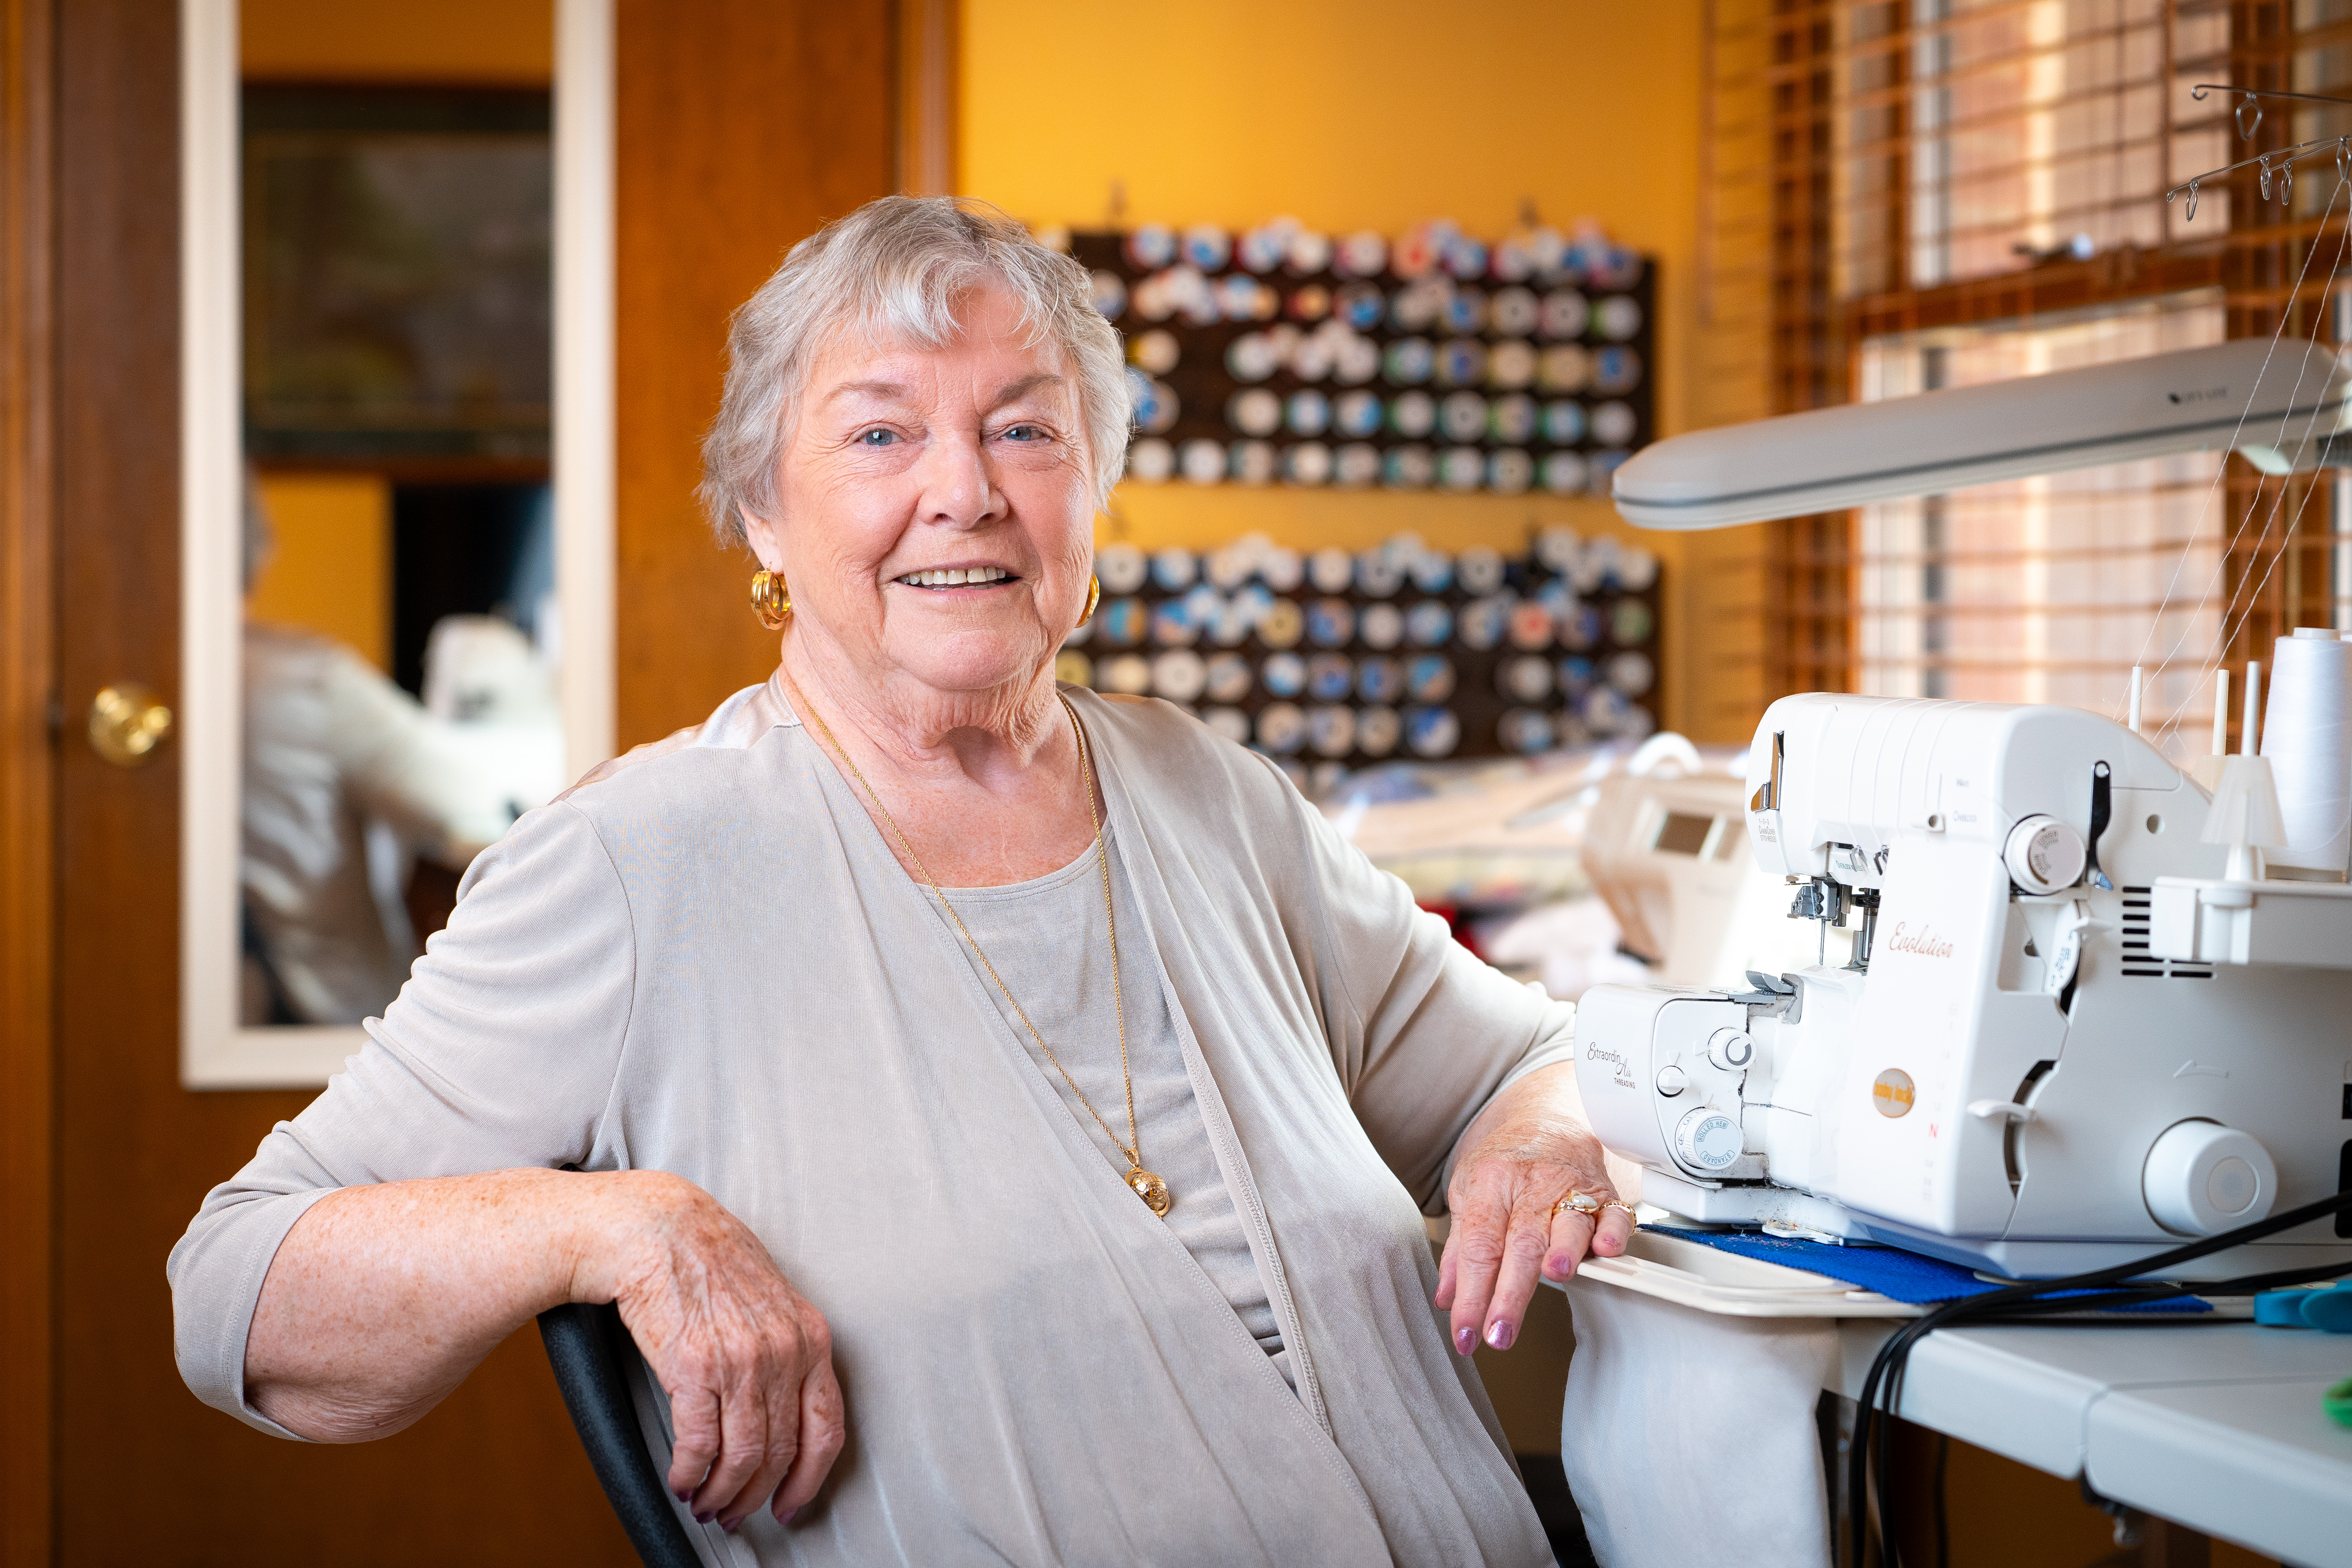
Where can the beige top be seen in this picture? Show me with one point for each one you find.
(706, 960)
(1051, 946)
(331, 748)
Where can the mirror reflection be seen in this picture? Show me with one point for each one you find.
(400, 640)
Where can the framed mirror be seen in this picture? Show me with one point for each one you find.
(397, 491)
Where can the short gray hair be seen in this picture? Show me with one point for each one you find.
(899, 266)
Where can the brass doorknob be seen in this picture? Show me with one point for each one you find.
(127, 723)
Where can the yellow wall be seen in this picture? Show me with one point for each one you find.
(330, 571)
(493, 43)
(1374, 114)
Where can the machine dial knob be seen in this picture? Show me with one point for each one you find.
(1672, 1080)
(1730, 1049)
(2202, 1178)
(1708, 1139)
(2043, 854)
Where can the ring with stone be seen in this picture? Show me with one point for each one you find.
(1584, 1203)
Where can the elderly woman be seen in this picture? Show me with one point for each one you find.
(1004, 1116)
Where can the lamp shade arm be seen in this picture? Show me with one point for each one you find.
(2280, 404)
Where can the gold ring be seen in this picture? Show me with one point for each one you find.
(1584, 1203)
(1614, 1204)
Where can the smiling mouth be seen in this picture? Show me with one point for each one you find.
(955, 577)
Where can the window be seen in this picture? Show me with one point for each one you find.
(1987, 135)
(1909, 193)
(2048, 589)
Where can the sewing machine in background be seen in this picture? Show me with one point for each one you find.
(2012, 1068)
(1665, 847)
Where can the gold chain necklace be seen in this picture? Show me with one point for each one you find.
(1144, 1183)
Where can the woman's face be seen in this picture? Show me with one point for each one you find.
(936, 516)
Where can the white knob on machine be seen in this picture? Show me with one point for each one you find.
(1730, 1049)
(2202, 1178)
(1706, 1140)
(2043, 854)
(1672, 1080)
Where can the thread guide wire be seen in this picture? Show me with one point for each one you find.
(2277, 167)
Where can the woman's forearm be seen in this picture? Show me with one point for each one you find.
(1545, 1102)
(382, 1297)
(1544, 1105)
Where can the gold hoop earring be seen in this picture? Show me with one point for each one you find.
(1094, 598)
(771, 599)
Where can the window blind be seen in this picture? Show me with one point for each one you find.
(2047, 589)
(1911, 193)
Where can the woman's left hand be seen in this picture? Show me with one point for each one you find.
(1525, 1152)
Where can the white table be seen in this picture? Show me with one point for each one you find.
(2216, 1426)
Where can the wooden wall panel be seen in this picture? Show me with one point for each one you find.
(743, 125)
(1723, 657)
(929, 56)
(27, 890)
(1719, 663)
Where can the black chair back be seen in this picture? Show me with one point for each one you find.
(589, 1349)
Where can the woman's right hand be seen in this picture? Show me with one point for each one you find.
(746, 1359)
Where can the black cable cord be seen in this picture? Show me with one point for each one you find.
(1868, 1460)
(1888, 1369)
(1881, 1394)
(1874, 1419)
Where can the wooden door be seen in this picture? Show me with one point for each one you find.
(144, 1473)
(107, 1457)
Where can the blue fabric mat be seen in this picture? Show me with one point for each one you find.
(1894, 1273)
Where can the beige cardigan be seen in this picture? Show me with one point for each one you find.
(706, 960)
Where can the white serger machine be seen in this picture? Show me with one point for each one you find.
(2006, 1074)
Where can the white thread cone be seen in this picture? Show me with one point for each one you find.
(2307, 739)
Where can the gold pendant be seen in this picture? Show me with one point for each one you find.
(1152, 1190)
